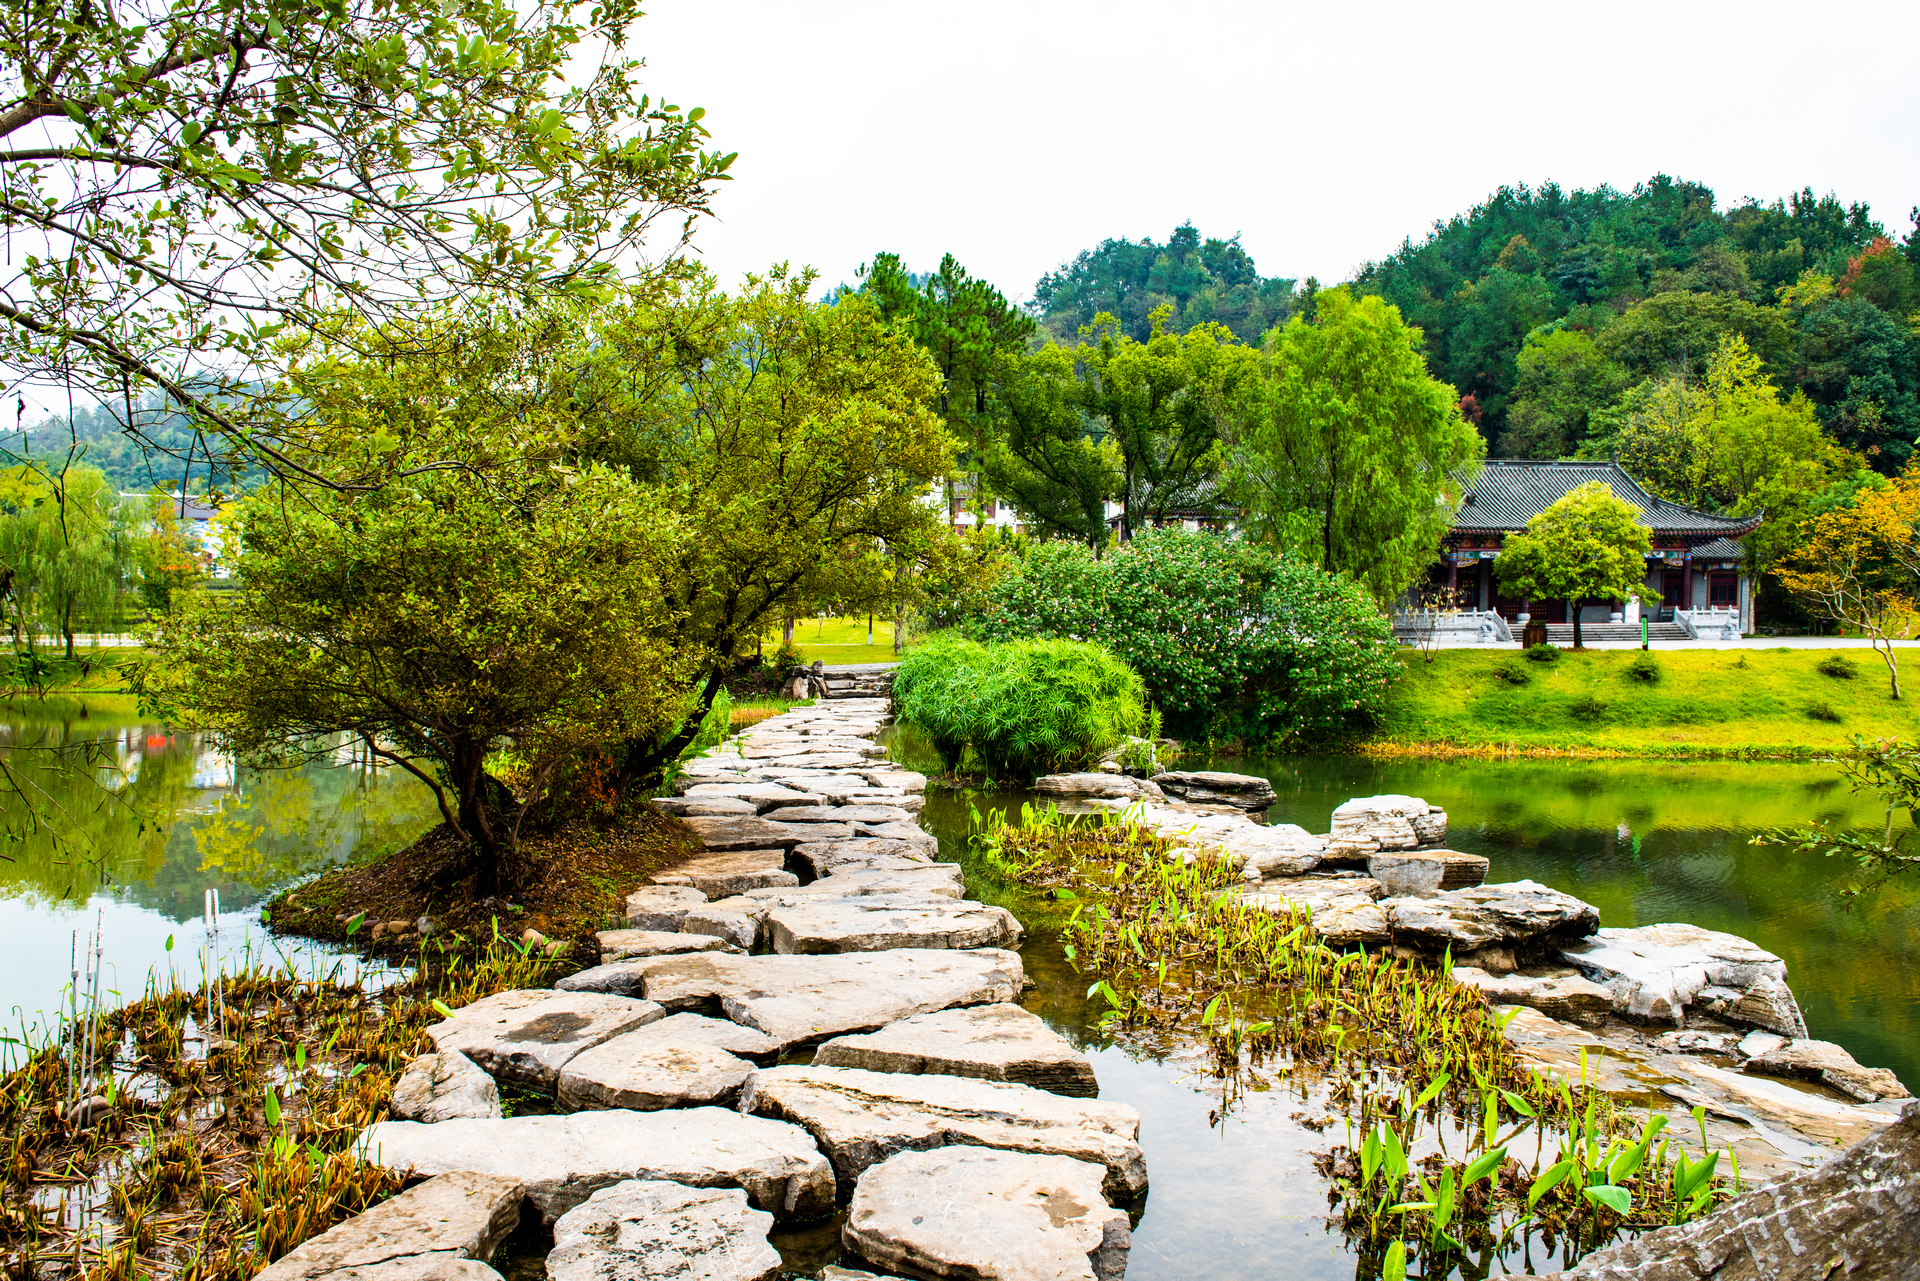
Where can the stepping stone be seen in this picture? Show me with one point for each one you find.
(884, 876)
(661, 907)
(738, 834)
(439, 1087)
(990, 1042)
(1277, 849)
(436, 1225)
(645, 1228)
(1212, 787)
(861, 1118)
(912, 833)
(647, 1075)
(878, 923)
(818, 858)
(723, 875)
(735, 920)
(801, 999)
(524, 1037)
(987, 1216)
(1423, 873)
(1106, 786)
(904, 779)
(563, 1160)
(702, 806)
(840, 814)
(1570, 999)
(822, 760)
(756, 796)
(1512, 912)
(620, 945)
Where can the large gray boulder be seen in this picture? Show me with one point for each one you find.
(1000, 1042)
(650, 1230)
(730, 872)
(1424, 873)
(1272, 850)
(1829, 1064)
(439, 1087)
(815, 924)
(562, 1160)
(1857, 1217)
(524, 1037)
(428, 1230)
(860, 1118)
(1656, 972)
(1567, 997)
(1212, 787)
(1510, 912)
(1119, 787)
(1368, 824)
(985, 1215)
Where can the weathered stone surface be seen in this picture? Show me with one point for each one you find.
(563, 1159)
(1514, 911)
(724, 874)
(841, 814)
(881, 876)
(1106, 786)
(702, 806)
(650, 1230)
(799, 999)
(526, 1036)
(985, 1215)
(1277, 849)
(620, 945)
(860, 1118)
(828, 759)
(1212, 787)
(647, 1075)
(661, 907)
(818, 924)
(733, 920)
(457, 1216)
(834, 1272)
(1829, 1064)
(819, 858)
(761, 796)
(1368, 824)
(1424, 873)
(1656, 971)
(1573, 998)
(911, 833)
(1857, 1216)
(905, 780)
(733, 834)
(1343, 909)
(1000, 1042)
(438, 1087)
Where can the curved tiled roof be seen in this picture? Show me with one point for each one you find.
(1509, 492)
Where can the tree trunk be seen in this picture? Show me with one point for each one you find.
(66, 628)
(647, 761)
(1892, 661)
(786, 630)
(900, 629)
(1578, 641)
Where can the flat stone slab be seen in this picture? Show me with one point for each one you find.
(1572, 998)
(1829, 1064)
(1214, 787)
(1119, 787)
(1276, 849)
(1424, 873)
(439, 1087)
(883, 876)
(524, 1037)
(861, 1118)
(1344, 913)
(912, 833)
(703, 806)
(841, 814)
(880, 922)
(621, 945)
(819, 858)
(735, 921)
(724, 874)
(829, 759)
(661, 907)
(563, 1160)
(723, 835)
(457, 1216)
(648, 1075)
(800, 999)
(1656, 972)
(1511, 912)
(1000, 1042)
(647, 1228)
(759, 796)
(987, 1215)
(904, 779)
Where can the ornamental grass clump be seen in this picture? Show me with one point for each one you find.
(1019, 709)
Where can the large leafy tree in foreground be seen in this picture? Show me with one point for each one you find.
(1587, 545)
(180, 182)
(1357, 457)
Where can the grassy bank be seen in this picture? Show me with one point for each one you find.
(1782, 702)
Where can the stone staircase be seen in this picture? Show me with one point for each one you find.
(1562, 633)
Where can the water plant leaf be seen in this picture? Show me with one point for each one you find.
(270, 1106)
(440, 1007)
(1549, 1179)
(1406, 1207)
(1619, 1200)
(1434, 1087)
(1518, 1104)
(1394, 1266)
(1689, 1178)
(1486, 1164)
(354, 922)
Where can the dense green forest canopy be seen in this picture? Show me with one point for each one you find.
(1202, 280)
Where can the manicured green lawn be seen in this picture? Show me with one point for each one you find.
(840, 640)
(1705, 702)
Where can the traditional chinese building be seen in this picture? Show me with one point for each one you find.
(1694, 565)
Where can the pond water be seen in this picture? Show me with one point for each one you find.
(1236, 1196)
(128, 829)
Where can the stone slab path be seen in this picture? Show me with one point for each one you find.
(818, 924)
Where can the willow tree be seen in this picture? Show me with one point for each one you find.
(1356, 457)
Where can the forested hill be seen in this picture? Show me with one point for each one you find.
(97, 437)
(1202, 280)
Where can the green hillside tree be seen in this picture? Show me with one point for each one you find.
(1585, 546)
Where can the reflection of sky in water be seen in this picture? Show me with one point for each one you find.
(150, 823)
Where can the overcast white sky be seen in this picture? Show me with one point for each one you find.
(1017, 134)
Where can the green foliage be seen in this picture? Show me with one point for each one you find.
(69, 549)
(1645, 667)
(1586, 545)
(1042, 458)
(1838, 666)
(1587, 708)
(1230, 637)
(1563, 380)
(1823, 711)
(1681, 331)
(1021, 708)
(1857, 365)
(1356, 458)
(1511, 671)
(1201, 282)
(1543, 654)
(1888, 768)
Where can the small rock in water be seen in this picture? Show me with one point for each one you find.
(1423, 873)
(441, 1086)
(987, 1216)
(1112, 786)
(1757, 1043)
(1212, 787)
(648, 1228)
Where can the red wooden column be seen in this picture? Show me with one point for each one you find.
(1686, 579)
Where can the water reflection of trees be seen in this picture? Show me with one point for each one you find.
(154, 819)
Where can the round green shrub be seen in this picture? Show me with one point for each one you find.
(1021, 708)
(1231, 638)
(1644, 667)
(1543, 654)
